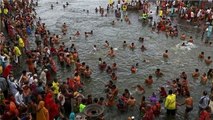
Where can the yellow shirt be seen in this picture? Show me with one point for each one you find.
(55, 85)
(5, 11)
(124, 7)
(161, 13)
(170, 102)
(21, 42)
(17, 51)
(111, 1)
(1, 69)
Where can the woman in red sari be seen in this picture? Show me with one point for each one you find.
(7, 70)
(51, 106)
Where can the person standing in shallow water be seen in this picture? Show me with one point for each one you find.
(170, 104)
(165, 54)
(204, 102)
(189, 105)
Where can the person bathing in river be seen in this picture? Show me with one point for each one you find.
(111, 52)
(183, 44)
(87, 72)
(68, 60)
(141, 39)
(109, 70)
(113, 76)
(196, 74)
(191, 39)
(100, 61)
(77, 79)
(126, 18)
(153, 99)
(94, 48)
(158, 73)
(133, 69)
(113, 22)
(131, 102)
(183, 36)
(189, 105)
(201, 55)
(124, 44)
(208, 60)
(210, 44)
(86, 33)
(143, 48)
(165, 54)
(106, 44)
(132, 46)
(114, 66)
(77, 33)
(51, 6)
(64, 28)
(203, 79)
(139, 89)
(183, 75)
(82, 68)
(149, 80)
(102, 66)
(162, 92)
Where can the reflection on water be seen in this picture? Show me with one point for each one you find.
(78, 19)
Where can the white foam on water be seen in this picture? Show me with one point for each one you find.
(187, 46)
(115, 48)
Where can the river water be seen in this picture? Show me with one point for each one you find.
(180, 59)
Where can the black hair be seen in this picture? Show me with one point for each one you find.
(170, 92)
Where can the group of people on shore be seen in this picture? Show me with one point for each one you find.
(38, 95)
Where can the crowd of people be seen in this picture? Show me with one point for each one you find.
(37, 94)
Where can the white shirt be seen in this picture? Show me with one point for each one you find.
(63, 98)
(94, 49)
(13, 87)
(31, 80)
(208, 11)
(211, 105)
(19, 99)
(173, 3)
(199, 13)
(158, 2)
(134, 3)
(119, 6)
(192, 14)
(2, 58)
(43, 77)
